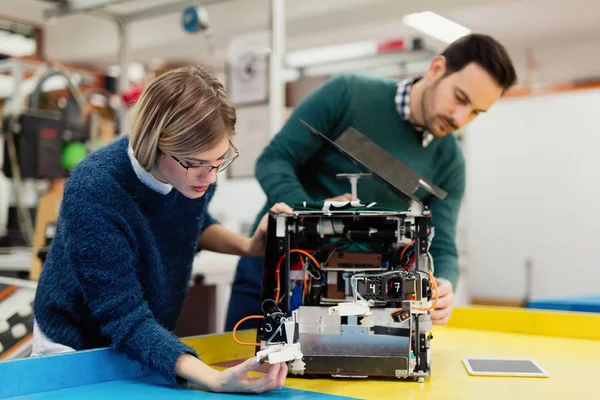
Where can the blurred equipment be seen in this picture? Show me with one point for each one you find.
(348, 287)
(194, 19)
(38, 135)
(45, 226)
(48, 126)
(16, 318)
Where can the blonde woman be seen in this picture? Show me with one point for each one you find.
(133, 215)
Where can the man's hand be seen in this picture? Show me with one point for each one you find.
(343, 197)
(258, 242)
(236, 379)
(445, 303)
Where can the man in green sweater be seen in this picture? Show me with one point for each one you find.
(413, 119)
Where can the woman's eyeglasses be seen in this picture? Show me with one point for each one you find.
(196, 171)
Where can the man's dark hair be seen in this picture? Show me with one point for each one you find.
(485, 51)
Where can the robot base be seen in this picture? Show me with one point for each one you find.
(364, 346)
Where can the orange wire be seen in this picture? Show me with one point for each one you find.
(304, 286)
(405, 249)
(276, 294)
(314, 260)
(434, 284)
(239, 323)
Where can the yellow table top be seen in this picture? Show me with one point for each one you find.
(566, 344)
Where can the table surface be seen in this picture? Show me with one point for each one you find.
(566, 344)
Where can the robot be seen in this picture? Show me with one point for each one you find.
(348, 287)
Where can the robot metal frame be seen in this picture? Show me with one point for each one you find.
(348, 288)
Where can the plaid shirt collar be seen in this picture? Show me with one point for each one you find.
(403, 106)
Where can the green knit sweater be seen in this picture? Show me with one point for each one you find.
(297, 166)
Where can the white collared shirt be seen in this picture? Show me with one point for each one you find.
(402, 100)
(146, 177)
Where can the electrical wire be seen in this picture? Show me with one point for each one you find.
(432, 307)
(278, 269)
(262, 306)
(435, 288)
(354, 278)
(239, 323)
(431, 267)
(353, 281)
(404, 250)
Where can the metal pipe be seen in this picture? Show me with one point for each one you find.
(276, 67)
(124, 60)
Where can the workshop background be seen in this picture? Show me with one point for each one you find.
(527, 226)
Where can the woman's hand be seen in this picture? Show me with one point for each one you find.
(236, 379)
(258, 242)
(231, 380)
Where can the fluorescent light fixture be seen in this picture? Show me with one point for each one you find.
(319, 55)
(436, 26)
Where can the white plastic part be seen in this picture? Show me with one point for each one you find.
(278, 353)
(289, 331)
(280, 226)
(420, 307)
(25, 311)
(268, 350)
(297, 367)
(359, 307)
(18, 331)
(287, 353)
(4, 326)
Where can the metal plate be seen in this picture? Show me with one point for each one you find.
(369, 156)
(354, 345)
(357, 367)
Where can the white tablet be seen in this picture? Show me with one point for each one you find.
(519, 367)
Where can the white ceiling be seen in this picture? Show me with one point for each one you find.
(520, 24)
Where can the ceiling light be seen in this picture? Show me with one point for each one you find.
(436, 26)
(326, 54)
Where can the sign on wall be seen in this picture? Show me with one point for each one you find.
(247, 69)
(248, 89)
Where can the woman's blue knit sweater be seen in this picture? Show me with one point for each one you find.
(120, 263)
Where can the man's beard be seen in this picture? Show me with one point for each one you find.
(429, 120)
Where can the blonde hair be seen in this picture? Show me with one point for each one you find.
(182, 112)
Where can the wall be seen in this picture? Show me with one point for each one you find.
(237, 202)
(532, 170)
(559, 62)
